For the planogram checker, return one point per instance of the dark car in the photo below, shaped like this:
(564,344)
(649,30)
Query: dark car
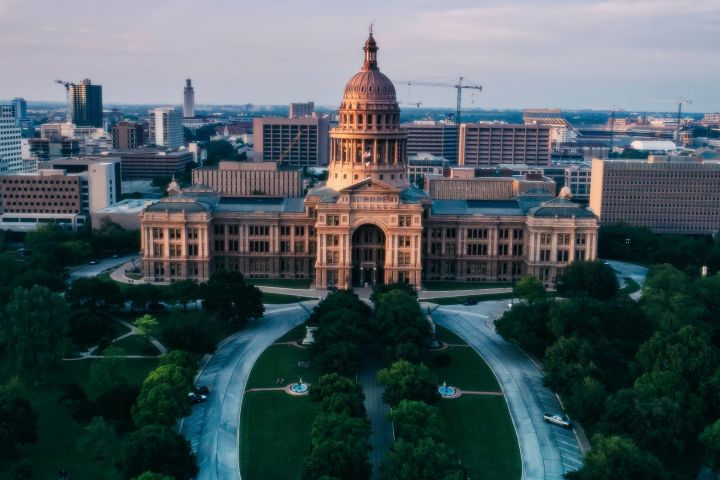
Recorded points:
(203,390)
(196,398)
(471,301)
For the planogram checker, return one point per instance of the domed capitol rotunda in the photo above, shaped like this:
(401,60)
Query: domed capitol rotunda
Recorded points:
(367,223)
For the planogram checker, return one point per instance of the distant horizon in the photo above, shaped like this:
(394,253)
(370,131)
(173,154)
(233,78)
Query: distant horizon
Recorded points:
(597,54)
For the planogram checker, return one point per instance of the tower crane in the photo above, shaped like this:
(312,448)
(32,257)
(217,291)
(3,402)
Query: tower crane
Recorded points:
(286,152)
(613,110)
(459,86)
(680,102)
(67,94)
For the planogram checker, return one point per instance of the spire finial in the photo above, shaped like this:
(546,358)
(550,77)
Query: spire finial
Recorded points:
(370,51)
(371,27)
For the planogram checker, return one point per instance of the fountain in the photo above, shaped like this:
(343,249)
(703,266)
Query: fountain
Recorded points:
(447,391)
(299,388)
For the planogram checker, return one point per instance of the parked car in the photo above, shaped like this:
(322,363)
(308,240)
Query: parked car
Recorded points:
(471,301)
(557,419)
(196,398)
(203,390)
(93,262)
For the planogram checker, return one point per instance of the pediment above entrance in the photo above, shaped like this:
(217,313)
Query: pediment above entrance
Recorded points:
(370,185)
(370,194)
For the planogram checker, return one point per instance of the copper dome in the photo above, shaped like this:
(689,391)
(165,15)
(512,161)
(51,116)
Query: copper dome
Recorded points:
(369,83)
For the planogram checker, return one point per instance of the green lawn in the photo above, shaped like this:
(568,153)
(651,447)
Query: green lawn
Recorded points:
(280,361)
(478,428)
(480,431)
(297,333)
(452,285)
(168,318)
(274,426)
(275,435)
(136,345)
(631,286)
(281,282)
(462,299)
(279,298)
(58,434)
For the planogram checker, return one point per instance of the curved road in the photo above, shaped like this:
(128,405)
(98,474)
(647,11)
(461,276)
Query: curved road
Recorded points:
(547,451)
(213,427)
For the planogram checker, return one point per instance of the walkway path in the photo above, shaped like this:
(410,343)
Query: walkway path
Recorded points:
(381,437)
(213,427)
(547,451)
(133,331)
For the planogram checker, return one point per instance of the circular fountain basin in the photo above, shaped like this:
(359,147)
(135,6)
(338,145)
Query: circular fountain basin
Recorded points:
(447,391)
(299,387)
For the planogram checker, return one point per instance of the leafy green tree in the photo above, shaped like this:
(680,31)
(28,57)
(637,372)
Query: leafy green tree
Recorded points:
(339,448)
(567,362)
(665,298)
(98,440)
(425,459)
(163,396)
(228,297)
(184,292)
(147,324)
(105,373)
(89,328)
(594,279)
(219,150)
(154,476)
(414,420)
(181,359)
(530,289)
(382,288)
(586,401)
(408,381)
(30,278)
(339,300)
(18,422)
(401,326)
(337,347)
(338,394)
(157,449)
(618,458)
(22,470)
(33,331)
(94,293)
(527,326)
(577,316)
(143,294)
(710,440)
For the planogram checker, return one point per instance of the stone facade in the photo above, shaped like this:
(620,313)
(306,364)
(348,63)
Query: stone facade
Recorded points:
(367,223)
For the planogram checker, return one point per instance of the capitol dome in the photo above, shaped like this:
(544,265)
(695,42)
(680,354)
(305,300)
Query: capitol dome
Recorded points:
(369,84)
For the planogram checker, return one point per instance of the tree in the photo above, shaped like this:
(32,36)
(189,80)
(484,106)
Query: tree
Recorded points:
(382,288)
(586,401)
(568,361)
(163,396)
(189,337)
(526,325)
(414,420)
(98,440)
(425,459)
(105,373)
(338,394)
(530,289)
(408,381)
(218,150)
(33,331)
(339,448)
(153,476)
(88,328)
(617,458)
(147,324)
(228,297)
(710,440)
(184,292)
(18,422)
(94,293)
(157,449)
(594,279)
(143,294)
(181,359)
(401,326)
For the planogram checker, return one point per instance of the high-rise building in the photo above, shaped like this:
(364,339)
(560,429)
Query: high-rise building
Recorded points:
(666,194)
(292,141)
(493,144)
(20,108)
(10,140)
(188,99)
(128,135)
(166,128)
(85,105)
(298,110)
(436,138)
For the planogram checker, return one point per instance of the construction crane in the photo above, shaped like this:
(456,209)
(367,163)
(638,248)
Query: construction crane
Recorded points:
(286,152)
(67,93)
(680,102)
(66,84)
(460,86)
(613,110)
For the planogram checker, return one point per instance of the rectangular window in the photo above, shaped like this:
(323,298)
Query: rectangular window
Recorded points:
(233,229)
(403,241)
(544,255)
(503,234)
(502,249)
(158,249)
(333,220)
(157,233)
(258,230)
(580,239)
(233,245)
(259,246)
(518,234)
(299,231)
(284,230)
(219,229)
(299,246)
(192,233)
(563,239)
(563,255)
(405,220)
(517,250)
(219,245)
(192,250)
(545,238)
(285,246)
(174,233)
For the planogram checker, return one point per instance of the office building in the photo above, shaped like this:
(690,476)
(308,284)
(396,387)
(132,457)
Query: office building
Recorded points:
(166,127)
(20,108)
(470,187)
(83,164)
(435,138)
(245,179)
(188,99)
(298,110)
(578,179)
(149,163)
(367,224)
(10,140)
(491,144)
(46,148)
(85,104)
(128,135)
(103,184)
(666,194)
(421,165)
(301,142)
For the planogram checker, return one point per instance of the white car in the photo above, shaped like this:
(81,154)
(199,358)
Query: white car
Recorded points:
(559,420)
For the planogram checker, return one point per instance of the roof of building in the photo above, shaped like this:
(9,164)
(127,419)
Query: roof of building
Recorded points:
(644,145)
(369,83)
(261,204)
(532,205)
(134,206)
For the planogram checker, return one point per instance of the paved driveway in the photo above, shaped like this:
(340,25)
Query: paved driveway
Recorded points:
(547,451)
(88,270)
(213,426)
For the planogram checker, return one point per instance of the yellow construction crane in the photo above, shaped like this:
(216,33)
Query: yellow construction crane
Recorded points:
(459,86)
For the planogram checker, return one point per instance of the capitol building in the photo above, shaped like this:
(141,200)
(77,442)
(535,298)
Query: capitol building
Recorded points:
(367,223)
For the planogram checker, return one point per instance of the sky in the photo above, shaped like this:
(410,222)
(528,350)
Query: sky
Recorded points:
(638,55)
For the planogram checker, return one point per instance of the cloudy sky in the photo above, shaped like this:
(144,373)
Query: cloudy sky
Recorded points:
(633,54)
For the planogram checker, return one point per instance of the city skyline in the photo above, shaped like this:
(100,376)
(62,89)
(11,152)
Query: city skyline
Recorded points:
(639,55)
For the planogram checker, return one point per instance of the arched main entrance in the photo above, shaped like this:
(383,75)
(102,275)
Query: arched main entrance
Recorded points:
(368,255)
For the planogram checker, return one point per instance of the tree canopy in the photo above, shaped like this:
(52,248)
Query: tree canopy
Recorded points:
(228,297)
(157,449)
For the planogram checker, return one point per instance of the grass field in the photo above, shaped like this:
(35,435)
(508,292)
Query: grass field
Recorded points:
(451,285)
(58,433)
(467,370)
(136,345)
(281,282)
(279,298)
(274,426)
(460,300)
(631,286)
